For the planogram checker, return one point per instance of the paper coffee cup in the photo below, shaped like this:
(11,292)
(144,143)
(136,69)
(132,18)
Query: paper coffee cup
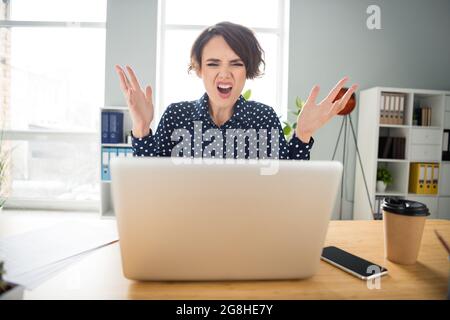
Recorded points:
(403,222)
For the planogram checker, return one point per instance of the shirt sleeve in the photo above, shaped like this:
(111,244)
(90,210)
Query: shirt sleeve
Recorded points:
(298,150)
(145,146)
(157,145)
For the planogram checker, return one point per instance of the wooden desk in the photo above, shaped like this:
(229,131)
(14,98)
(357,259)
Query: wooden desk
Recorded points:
(99,275)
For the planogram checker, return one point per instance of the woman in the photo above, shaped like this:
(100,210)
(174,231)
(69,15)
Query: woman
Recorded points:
(222,123)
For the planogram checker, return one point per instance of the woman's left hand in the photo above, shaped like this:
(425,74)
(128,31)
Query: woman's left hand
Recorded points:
(313,116)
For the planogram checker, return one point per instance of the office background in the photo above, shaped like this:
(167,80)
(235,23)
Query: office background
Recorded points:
(59,79)
(327,38)
(56,123)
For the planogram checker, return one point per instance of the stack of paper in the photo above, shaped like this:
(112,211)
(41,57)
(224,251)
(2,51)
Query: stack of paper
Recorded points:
(33,257)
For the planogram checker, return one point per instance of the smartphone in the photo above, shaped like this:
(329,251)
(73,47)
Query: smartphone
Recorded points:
(352,264)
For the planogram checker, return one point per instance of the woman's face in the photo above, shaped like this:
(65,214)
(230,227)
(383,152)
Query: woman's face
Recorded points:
(223,73)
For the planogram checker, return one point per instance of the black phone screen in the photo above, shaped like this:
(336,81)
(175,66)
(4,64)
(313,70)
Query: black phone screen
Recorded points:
(349,261)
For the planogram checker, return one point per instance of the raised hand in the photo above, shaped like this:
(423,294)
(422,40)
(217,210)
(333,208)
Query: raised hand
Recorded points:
(313,116)
(138,101)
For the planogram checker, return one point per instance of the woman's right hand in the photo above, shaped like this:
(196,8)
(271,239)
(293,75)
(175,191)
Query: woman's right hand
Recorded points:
(138,101)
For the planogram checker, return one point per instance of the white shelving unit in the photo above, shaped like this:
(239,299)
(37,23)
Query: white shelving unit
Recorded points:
(106,203)
(423,144)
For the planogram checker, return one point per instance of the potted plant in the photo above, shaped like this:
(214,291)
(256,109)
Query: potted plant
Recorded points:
(8,290)
(384,178)
(288,129)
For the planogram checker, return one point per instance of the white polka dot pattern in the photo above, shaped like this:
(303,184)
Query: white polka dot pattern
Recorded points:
(254,131)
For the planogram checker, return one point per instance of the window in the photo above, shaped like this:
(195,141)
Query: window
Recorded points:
(52,55)
(182,21)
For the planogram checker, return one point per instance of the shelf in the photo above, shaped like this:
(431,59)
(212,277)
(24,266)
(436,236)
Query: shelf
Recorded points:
(426,127)
(116,145)
(395,126)
(422,144)
(435,102)
(393,160)
(390,194)
(106,201)
(123,148)
(114,108)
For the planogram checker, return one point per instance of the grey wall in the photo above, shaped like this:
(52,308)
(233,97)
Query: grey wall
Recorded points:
(329,39)
(131,33)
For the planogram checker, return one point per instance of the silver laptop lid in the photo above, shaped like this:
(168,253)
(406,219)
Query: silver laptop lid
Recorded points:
(234,220)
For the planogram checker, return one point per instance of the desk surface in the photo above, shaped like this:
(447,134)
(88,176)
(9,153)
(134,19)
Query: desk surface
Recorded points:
(99,274)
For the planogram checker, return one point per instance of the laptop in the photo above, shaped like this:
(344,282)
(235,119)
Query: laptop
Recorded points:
(222,220)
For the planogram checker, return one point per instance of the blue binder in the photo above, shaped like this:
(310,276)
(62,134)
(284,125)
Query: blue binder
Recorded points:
(105,126)
(115,127)
(108,153)
(105,164)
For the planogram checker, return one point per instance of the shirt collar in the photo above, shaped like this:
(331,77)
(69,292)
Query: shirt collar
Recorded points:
(240,114)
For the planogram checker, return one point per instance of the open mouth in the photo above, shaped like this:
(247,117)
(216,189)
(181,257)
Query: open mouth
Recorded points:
(224,89)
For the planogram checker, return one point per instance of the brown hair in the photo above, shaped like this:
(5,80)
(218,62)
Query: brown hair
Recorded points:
(241,40)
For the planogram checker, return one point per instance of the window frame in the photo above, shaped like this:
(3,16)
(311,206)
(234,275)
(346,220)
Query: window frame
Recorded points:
(281,31)
(50,135)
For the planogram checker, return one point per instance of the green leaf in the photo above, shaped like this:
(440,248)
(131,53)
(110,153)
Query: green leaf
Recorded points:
(384,175)
(247,94)
(287,130)
(299,103)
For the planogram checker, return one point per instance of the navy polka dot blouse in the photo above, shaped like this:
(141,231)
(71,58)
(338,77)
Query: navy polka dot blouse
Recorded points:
(253,132)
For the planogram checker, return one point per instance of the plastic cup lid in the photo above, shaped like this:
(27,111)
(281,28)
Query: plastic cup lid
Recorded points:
(405,207)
